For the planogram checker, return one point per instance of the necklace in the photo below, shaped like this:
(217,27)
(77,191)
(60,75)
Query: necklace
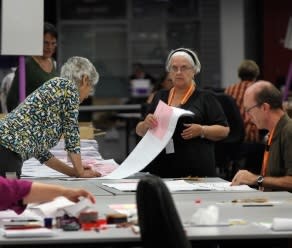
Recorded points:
(184,98)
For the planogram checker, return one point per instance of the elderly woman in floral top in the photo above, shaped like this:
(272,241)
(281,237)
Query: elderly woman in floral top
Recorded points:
(38,123)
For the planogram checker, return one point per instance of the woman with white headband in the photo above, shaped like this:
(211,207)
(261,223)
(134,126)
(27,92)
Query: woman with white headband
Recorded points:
(190,152)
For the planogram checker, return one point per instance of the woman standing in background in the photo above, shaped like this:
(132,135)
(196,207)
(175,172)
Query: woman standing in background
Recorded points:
(190,152)
(38,69)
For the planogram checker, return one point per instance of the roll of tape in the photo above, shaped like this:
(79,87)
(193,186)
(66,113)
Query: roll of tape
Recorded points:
(116,218)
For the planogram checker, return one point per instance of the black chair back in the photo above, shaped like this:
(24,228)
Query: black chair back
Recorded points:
(234,118)
(229,152)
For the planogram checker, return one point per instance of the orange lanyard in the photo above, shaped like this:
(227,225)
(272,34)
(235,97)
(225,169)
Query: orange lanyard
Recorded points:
(186,96)
(266,154)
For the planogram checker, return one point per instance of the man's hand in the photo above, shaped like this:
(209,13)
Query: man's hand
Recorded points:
(244,177)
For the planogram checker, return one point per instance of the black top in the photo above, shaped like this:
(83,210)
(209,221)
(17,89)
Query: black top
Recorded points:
(194,157)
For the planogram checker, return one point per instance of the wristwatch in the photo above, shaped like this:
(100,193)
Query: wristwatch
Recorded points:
(260,180)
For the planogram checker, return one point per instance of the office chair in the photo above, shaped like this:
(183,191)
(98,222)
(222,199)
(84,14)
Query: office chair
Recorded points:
(159,222)
(228,152)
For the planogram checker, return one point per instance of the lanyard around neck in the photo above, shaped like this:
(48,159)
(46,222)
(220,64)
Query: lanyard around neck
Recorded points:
(266,154)
(185,97)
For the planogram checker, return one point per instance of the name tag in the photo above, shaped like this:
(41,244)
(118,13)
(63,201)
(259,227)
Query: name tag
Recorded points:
(169,147)
(10,175)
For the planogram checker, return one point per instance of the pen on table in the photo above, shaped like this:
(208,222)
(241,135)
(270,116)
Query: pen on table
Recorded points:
(23,220)
(258,205)
(22,227)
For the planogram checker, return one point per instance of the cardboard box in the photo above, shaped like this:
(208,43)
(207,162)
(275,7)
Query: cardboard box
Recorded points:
(86,130)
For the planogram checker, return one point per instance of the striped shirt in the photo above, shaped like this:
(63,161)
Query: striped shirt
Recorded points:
(237,92)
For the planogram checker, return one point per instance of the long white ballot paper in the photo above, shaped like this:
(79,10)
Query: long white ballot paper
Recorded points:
(153,142)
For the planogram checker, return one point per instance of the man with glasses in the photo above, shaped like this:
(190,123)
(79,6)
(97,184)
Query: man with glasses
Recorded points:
(263,106)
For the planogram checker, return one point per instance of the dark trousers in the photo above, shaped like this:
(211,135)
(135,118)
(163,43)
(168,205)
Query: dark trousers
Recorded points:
(9,162)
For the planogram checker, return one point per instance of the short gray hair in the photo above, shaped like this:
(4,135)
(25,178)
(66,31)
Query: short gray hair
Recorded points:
(77,67)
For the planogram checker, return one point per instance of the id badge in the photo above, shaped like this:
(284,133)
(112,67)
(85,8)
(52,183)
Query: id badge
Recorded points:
(169,147)
(11,175)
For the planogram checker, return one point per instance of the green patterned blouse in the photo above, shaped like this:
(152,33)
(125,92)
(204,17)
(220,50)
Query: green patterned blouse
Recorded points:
(38,123)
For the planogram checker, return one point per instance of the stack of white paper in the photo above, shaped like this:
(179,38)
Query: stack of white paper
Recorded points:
(59,206)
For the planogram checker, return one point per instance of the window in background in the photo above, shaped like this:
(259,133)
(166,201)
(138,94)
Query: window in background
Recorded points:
(117,34)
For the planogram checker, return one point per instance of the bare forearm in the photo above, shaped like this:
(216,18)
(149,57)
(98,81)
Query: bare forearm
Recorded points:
(215,132)
(77,163)
(278,182)
(43,192)
(58,165)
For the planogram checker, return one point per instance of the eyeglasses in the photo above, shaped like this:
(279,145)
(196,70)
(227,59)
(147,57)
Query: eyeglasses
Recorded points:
(181,69)
(252,107)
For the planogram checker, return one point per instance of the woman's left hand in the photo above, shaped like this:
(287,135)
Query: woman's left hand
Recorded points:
(89,172)
(191,131)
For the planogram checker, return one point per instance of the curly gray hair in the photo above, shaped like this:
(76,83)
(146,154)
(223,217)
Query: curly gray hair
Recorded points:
(77,67)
